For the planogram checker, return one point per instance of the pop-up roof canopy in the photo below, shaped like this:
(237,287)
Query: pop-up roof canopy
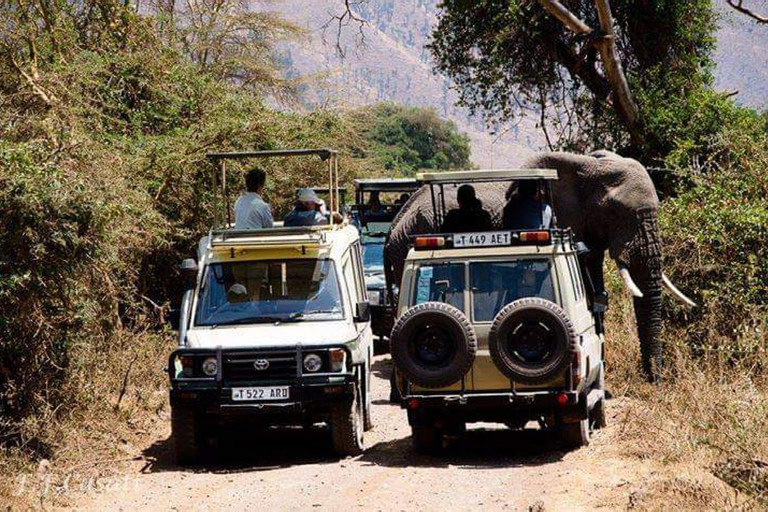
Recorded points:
(486,175)
(387,184)
(220,158)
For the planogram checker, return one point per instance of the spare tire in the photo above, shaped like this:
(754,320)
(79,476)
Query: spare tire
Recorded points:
(433,344)
(531,339)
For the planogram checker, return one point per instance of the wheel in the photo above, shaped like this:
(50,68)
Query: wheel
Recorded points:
(597,414)
(575,435)
(368,420)
(394,393)
(530,340)
(189,435)
(347,426)
(433,345)
(427,439)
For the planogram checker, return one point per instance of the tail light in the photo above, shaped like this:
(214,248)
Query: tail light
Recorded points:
(429,242)
(534,236)
(576,367)
(187,366)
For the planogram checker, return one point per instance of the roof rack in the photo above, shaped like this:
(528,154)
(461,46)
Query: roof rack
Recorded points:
(387,184)
(325,154)
(479,176)
(270,237)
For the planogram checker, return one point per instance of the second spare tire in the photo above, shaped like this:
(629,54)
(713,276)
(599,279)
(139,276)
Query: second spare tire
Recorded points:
(433,345)
(531,340)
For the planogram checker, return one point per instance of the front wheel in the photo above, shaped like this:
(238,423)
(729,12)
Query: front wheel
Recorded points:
(347,424)
(189,434)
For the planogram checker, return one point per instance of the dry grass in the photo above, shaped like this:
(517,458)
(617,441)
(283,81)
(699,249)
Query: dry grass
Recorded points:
(710,412)
(119,394)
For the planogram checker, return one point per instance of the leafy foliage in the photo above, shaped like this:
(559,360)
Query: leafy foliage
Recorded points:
(406,139)
(509,57)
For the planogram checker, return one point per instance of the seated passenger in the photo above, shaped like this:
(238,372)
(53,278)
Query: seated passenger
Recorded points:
(526,209)
(251,212)
(309,210)
(404,197)
(469,216)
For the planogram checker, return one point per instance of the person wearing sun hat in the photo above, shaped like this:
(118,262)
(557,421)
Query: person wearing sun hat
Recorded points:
(309,210)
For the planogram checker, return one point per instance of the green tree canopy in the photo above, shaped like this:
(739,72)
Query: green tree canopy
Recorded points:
(510,56)
(406,139)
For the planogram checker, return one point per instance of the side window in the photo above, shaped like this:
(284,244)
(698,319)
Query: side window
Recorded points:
(573,270)
(440,283)
(357,254)
(348,270)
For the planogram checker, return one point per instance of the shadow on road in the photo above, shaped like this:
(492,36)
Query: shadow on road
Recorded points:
(477,448)
(241,451)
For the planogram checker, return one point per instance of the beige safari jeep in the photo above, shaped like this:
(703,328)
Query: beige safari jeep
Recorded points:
(498,327)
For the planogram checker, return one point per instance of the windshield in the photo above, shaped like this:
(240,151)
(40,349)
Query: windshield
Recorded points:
(247,292)
(373,256)
(441,283)
(496,284)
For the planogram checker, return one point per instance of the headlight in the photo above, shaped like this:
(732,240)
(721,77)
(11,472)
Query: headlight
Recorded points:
(338,359)
(373,297)
(312,363)
(210,367)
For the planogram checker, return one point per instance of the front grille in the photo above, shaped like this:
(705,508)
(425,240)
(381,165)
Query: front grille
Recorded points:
(239,366)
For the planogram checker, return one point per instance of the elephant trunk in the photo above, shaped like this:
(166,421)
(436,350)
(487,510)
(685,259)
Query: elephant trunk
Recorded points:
(648,317)
(642,257)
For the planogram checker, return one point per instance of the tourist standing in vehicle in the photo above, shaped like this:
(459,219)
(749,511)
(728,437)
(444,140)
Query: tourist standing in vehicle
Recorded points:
(309,210)
(527,210)
(251,211)
(469,216)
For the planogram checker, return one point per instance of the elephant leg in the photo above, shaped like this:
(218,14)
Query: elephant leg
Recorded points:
(594,265)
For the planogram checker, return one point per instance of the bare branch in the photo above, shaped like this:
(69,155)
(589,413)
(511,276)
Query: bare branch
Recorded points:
(738,5)
(621,96)
(565,16)
(344,19)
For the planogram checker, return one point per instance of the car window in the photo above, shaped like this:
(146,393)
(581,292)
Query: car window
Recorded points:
(496,284)
(246,292)
(441,283)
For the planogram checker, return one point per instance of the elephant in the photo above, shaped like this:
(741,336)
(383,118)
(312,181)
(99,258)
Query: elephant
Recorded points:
(611,205)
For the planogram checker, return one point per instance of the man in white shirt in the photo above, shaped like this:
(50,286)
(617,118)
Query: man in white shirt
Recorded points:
(251,212)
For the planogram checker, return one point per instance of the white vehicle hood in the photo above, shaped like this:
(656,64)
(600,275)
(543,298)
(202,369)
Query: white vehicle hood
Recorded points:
(273,335)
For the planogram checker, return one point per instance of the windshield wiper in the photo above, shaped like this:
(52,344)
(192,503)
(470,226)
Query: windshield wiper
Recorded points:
(261,319)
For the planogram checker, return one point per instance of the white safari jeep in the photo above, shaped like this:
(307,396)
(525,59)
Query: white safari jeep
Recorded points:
(274,328)
(497,327)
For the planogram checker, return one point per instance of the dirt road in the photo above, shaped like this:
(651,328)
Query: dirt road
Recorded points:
(490,468)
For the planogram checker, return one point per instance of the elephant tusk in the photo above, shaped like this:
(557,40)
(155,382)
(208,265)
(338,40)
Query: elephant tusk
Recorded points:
(631,286)
(675,292)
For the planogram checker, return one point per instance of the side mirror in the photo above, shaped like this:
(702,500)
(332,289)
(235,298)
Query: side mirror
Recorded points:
(188,269)
(188,266)
(581,248)
(173,317)
(600,304)
(363,312)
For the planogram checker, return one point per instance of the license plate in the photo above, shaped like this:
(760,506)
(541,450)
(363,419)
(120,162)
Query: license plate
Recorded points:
(487,239)
(261,393)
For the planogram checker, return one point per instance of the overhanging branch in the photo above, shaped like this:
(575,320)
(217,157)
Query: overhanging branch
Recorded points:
(739,6)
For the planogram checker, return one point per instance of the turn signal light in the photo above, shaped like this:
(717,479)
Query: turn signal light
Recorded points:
(429,242)
(534,236)
(562,399)
(338,359)
(413,403)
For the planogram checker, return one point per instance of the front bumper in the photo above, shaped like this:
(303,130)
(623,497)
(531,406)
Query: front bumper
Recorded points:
(310,395)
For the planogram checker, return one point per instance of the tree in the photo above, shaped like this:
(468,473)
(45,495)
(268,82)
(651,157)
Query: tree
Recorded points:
(510,57)
(406,139)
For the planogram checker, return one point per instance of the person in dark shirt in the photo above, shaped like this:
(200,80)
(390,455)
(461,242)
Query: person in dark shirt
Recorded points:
(469,216)
(526,210)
